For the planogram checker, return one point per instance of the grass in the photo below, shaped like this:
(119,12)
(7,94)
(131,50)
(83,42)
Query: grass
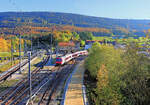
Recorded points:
(102,38)
(5,54)
(8,54)
(8,66)
(7,84)
(35,63)
(141,40)
(3,61)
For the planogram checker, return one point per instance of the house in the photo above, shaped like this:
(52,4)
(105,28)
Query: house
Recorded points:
(65,47)
(88,43)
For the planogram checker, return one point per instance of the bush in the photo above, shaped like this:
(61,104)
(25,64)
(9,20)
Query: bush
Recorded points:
(92,62)
(122,77)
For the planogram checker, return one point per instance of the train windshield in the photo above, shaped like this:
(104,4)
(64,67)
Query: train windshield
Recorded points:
(58,60)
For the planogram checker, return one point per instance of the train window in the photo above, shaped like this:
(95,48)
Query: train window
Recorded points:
(75,55)
(58,59)
(66,58)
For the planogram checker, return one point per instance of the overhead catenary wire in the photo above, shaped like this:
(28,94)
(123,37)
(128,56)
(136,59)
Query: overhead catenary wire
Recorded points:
(29,54)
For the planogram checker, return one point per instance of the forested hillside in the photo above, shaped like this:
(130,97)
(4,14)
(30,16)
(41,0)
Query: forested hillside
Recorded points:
(37,22)
(8,19)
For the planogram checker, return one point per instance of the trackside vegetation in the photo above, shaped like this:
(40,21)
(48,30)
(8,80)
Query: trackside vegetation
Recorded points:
(117,77)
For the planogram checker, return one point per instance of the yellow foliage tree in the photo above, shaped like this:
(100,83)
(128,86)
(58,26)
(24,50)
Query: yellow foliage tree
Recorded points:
(102,77)
(3,45)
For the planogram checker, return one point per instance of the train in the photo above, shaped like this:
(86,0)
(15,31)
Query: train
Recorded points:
(64,59)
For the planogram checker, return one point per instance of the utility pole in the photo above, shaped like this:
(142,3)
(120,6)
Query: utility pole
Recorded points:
(29,76)
(51,49)
(11,51)
(51,46)
(38,44)
(31,43)
(24,48)
(20,52)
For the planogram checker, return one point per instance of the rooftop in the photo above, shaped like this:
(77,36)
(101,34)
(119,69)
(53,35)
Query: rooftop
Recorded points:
(66,44)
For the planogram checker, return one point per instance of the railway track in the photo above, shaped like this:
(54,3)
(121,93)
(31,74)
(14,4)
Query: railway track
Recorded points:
(48,94)
(21,89)
(53,93)
(45,84)
(7,74)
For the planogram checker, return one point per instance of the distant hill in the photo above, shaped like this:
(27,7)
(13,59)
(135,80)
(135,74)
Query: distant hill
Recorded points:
(74,19)
(9,19)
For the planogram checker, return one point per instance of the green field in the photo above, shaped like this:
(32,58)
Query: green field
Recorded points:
(8,65)
(8,54)
(7,84)
(102,38)
(141,40)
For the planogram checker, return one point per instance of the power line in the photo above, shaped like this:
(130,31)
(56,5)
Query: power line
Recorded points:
(15,6)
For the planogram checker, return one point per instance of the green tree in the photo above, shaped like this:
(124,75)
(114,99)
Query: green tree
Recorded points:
(92,62)
(108,76)
(136,76)
(122,76)
(86,36)
(82,43)
(62,36)
(76,36)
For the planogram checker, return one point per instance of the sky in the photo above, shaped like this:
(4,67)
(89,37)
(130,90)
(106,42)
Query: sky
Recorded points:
(123,9)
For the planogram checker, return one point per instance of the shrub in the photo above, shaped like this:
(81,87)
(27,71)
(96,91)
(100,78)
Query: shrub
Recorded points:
(122,77)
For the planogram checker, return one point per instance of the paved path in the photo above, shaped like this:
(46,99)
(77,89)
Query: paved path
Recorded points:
(74,93)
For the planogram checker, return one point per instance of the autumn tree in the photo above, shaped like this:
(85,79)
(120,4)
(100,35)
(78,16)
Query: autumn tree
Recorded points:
(102,63)
(122,76)
(147,32)
(3,45)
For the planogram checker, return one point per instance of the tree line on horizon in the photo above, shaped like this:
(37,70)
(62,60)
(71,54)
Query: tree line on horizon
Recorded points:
(100,32)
